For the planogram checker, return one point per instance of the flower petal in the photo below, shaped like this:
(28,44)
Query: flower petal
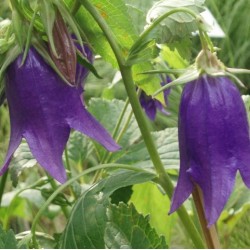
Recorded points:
(48,147)
(44,108)
(84,122)
(213,131)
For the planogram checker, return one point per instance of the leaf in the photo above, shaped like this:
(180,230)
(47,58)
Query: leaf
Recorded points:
(116,15)
(8,240)
(79,147)
(148,199)
(174,98)
(178,25)
(144,52)
(246,99)
(112,110)
(126,228)
(172,56)
(22,159)
(167,145)
(137,10)
(88,219)
(240,236)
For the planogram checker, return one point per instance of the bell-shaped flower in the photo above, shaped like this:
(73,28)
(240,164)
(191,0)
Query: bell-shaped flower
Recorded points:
(43,109)
(213,143)
(151,105)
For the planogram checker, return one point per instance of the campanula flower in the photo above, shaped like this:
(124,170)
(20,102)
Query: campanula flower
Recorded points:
(213,143)
(43,109)
(151,105)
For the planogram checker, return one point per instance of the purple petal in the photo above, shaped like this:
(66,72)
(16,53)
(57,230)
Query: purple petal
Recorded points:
(84,122)
(148,104)
(214,142)
(43,109)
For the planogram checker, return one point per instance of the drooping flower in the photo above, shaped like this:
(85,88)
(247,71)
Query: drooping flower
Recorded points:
(213,142)
(43,109)
(151,105)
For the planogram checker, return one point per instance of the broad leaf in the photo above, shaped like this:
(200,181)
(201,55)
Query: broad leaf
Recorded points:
(8,240)
(167,145)
(138,10)
(246,99)
(178,25)
(126,228)
(109,119)
(148,199)
(88,219)
(79,147)
(22,159)
(116,15)
(240,236)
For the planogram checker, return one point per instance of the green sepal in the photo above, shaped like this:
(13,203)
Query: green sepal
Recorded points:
(2,92)
(191,74)
(18,26)
(7,37)
(42,50)
(69,19)
(29,37)
(47,14)
(28,12)
(142,53)
(84,61)
(9,57)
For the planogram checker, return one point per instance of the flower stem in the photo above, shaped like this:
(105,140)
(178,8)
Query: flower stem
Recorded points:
(54,186)
(210,233)
(126,73)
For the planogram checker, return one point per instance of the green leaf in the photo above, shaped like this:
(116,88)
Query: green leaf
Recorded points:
(22,159)
(79,147)
(8,240)
(126,228)
(178,25)
(174,98)
(240,236)
(137,10)
(246,99)
(148,199)
(176,55)
(167,145)
(144,52)
(88,219)
(112,112)
(48,16)
(116,15)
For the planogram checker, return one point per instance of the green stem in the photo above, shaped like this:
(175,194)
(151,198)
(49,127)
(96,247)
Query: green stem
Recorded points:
(54,187)
(126,73)
(121,134)
(117,127)
(69,182)
(2,185)
(107,154)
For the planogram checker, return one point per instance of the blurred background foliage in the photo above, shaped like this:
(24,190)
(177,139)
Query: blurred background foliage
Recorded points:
(233,16)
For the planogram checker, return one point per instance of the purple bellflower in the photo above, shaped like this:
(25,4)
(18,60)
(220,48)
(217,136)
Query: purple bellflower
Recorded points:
(213,142)
(151,105)
(43,109)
